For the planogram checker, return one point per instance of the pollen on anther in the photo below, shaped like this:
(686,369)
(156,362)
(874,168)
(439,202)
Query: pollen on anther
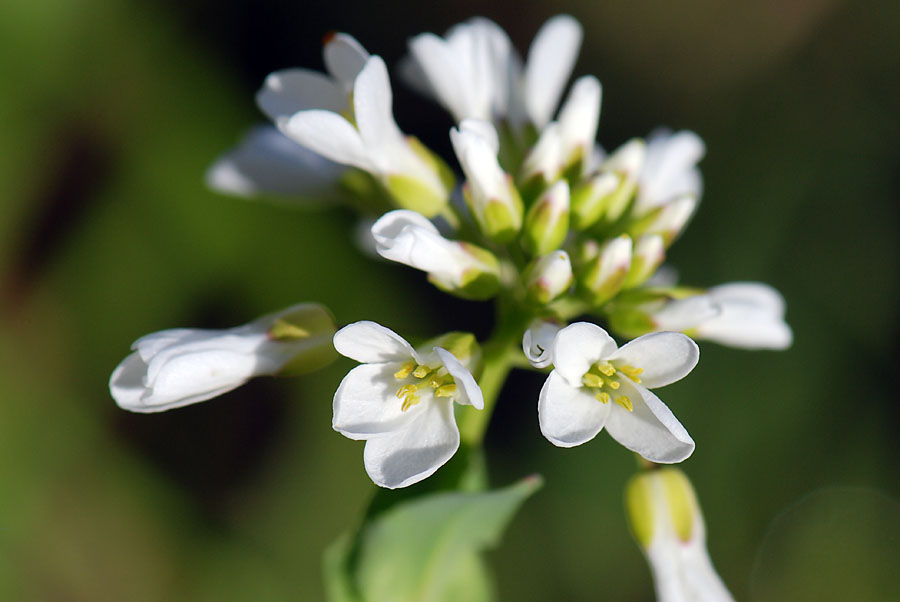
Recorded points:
(404,370)
(421,371)
(602,396)
(623,401)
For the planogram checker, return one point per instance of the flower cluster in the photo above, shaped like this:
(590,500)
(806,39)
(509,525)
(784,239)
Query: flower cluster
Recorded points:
(558,231)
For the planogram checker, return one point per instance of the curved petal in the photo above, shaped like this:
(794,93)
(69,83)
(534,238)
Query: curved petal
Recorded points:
(366,403)
(550,60)
(344,58)
(291,90)
(666,357)
(753,294)
(580,114)
(746,330)
(569,416)
(408,455)
(683,314)
(371,343)
(484,129)
(442,71)
(577,347)
(537,342)
(127,382)
(391,224)
(194,375)
(650,429)
(331,136)
(268,162)
(469,391)
(409,238)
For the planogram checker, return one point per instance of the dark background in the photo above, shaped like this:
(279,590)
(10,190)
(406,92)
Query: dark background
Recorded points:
(110,113)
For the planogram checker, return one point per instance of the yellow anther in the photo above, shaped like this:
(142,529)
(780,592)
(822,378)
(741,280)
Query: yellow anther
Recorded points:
(404,370)
(592,380)
(421,371)
(624,402)
(411,400)
(602,396)
(446,390)
(606,368)
(406,391)
(632,372)
(613,384)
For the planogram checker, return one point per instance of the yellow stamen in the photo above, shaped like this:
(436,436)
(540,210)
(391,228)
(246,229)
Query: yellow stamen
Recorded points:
(421,371)
(446,390)
(624,402)
(406,391)
(613,384)
(411,400)
(606,368)
(632,372)
(602,396)
(404,370)
(592,380)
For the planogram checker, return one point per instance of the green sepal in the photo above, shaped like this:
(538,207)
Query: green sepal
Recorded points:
(545,227)
(411,193)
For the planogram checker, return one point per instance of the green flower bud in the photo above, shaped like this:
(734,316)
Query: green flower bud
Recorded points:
(649,253)
(547,221)
(602,276)
(591,198)
(548,277)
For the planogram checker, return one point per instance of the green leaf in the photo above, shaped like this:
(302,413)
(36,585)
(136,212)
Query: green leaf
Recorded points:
(426,549)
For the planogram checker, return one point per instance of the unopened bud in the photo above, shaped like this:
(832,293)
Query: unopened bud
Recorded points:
(547,222)
(649,253)
(602,276)
(548,277)
(590,199)
(626,161)
(667,220)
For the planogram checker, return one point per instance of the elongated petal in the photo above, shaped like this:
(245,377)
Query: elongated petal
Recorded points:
(577,347)
(746,330)
(371,343)
(537,343)
(469,391)
(366,402)
(410,454)
(683,314)
(372,99)
(344,58)
(268,162)
(569,416)
(755,294)
(650,429)
(442,70)
(331,136)
(580,115)
(409,238)
(484,129)
(550,60)
(291,90)
(666,357)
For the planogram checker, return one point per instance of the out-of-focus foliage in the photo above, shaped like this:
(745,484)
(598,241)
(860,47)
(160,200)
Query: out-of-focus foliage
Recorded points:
(110,113)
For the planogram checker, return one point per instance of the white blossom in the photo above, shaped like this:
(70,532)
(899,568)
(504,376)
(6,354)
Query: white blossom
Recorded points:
(595,384)
(669,169)
(400,401)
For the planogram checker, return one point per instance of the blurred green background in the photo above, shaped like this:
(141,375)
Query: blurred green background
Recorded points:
(111,110)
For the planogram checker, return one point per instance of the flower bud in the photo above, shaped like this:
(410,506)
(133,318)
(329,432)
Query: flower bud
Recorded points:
(548,277)
(626,161)
(547,221)
(177,367)
(666,522)
(428,197)
(649,253)
(603,275)
(543,164)
(578,119)
(537,343)
(489,191)
(591,198)
(667,220)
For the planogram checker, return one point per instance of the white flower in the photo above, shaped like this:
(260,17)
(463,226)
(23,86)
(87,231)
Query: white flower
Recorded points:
(595,384)
(400,400)
(537,343)
(475,73)
(467,71)
(409,238)
(669,169)
(268,162)
(666,520)
(177,367)
(310,109)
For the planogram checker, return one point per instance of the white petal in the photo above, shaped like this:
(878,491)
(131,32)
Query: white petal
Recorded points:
(666,357)
(650,429)
(344,59)
(127,382)
(577,347)
(366,402)
(151,344)
(537,343)
(331,136)
(268,162)
(372,100)
(444,74)
(409,238)
(684,314)
(287,92)
(189,377)
(484,129)
(408,455)
(580,115)
(370,343)
(479,163)
(669,169)
(550,60)
(469,391)
(756,294)
(746,330)
(393,223)
(569,416)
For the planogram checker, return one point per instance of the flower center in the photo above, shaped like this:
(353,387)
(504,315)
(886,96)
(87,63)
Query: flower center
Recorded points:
(604,376)
(428,380)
